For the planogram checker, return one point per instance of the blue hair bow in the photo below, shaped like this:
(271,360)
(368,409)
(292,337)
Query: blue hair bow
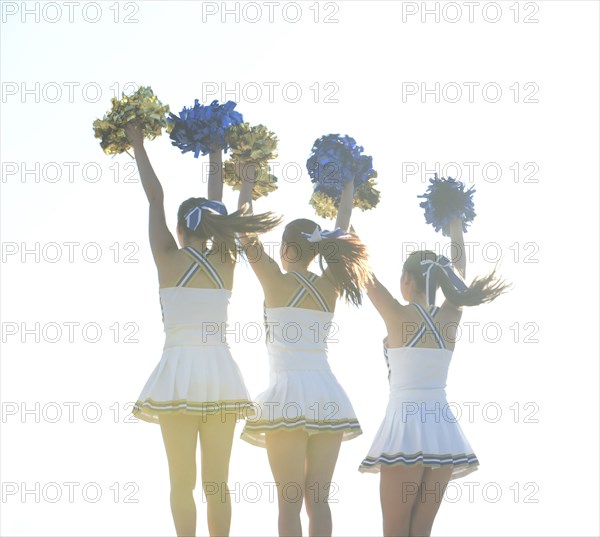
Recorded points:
(430,270)
(194,215)
(318,235)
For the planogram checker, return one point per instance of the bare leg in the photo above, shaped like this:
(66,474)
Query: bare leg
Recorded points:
(323,450)
(431,493)
(399,490)
(287,456)
(216,438)
(180,435)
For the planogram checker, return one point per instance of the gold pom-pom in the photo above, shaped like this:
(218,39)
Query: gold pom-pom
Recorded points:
(143,108)
(366,197)
(251,146)
(264,183)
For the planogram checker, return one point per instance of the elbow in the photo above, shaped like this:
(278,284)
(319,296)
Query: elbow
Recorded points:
(157,197)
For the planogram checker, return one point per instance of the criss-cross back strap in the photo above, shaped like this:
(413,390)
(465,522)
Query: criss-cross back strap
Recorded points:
(428,324)
(201,262)
(300,293)
(306,286)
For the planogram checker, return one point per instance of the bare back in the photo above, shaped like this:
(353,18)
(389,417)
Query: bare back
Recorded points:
(281,290)
(173,266)
(404,322)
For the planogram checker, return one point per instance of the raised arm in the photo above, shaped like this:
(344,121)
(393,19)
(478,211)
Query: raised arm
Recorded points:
(263,265)
(215,175)
(382,299)
(343,216)
(248,175)
(161,240)
(345,210)
(457,247)
(379,296)
(459,256)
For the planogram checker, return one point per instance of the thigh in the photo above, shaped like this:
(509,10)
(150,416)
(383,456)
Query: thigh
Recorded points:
(399,488)
(431,493)
(322,454)
(180,436)
(216,440)
(287,457)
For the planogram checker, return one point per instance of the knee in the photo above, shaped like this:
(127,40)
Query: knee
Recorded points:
(397,523)
(289,509)
(396,519)
(217,492)
(291,497)
(183,482)
(214,469)
(213,476)
(420,528)
(317,507)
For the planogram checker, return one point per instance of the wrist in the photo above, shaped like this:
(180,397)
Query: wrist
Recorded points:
(456,226)
(216,155)
(249,173)
(138,146)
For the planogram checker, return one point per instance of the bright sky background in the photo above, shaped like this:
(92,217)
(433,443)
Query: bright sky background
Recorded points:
(533,355)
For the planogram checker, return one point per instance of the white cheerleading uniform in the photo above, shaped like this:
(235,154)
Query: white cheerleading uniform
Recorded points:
(303,393)
(196,373)
(419,426)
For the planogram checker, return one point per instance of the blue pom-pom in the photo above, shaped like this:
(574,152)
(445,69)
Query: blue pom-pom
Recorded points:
(445,200)
(336,160)
(202,128)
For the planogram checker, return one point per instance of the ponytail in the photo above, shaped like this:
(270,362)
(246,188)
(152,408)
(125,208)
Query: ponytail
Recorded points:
(482,289)
(220,228)
(345,255)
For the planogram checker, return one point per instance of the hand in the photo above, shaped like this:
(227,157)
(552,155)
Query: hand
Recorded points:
(134,135)
(244,208)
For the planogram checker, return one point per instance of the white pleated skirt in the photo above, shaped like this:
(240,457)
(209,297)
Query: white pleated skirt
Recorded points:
(194,380)
(303,395)
(419,427)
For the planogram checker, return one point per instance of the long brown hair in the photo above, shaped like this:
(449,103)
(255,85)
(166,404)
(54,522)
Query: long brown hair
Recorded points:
(482,289)
(345,257)
(221,230)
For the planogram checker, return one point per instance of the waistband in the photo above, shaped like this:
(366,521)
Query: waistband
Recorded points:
(398,393)
(205,335)
(290,360)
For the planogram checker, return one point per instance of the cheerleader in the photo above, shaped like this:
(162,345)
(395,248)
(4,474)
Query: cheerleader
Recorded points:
(420,447)
(196,390)
(305,414)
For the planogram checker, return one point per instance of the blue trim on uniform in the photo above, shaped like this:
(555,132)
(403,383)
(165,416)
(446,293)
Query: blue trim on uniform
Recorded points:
(200,262)
(312,289)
